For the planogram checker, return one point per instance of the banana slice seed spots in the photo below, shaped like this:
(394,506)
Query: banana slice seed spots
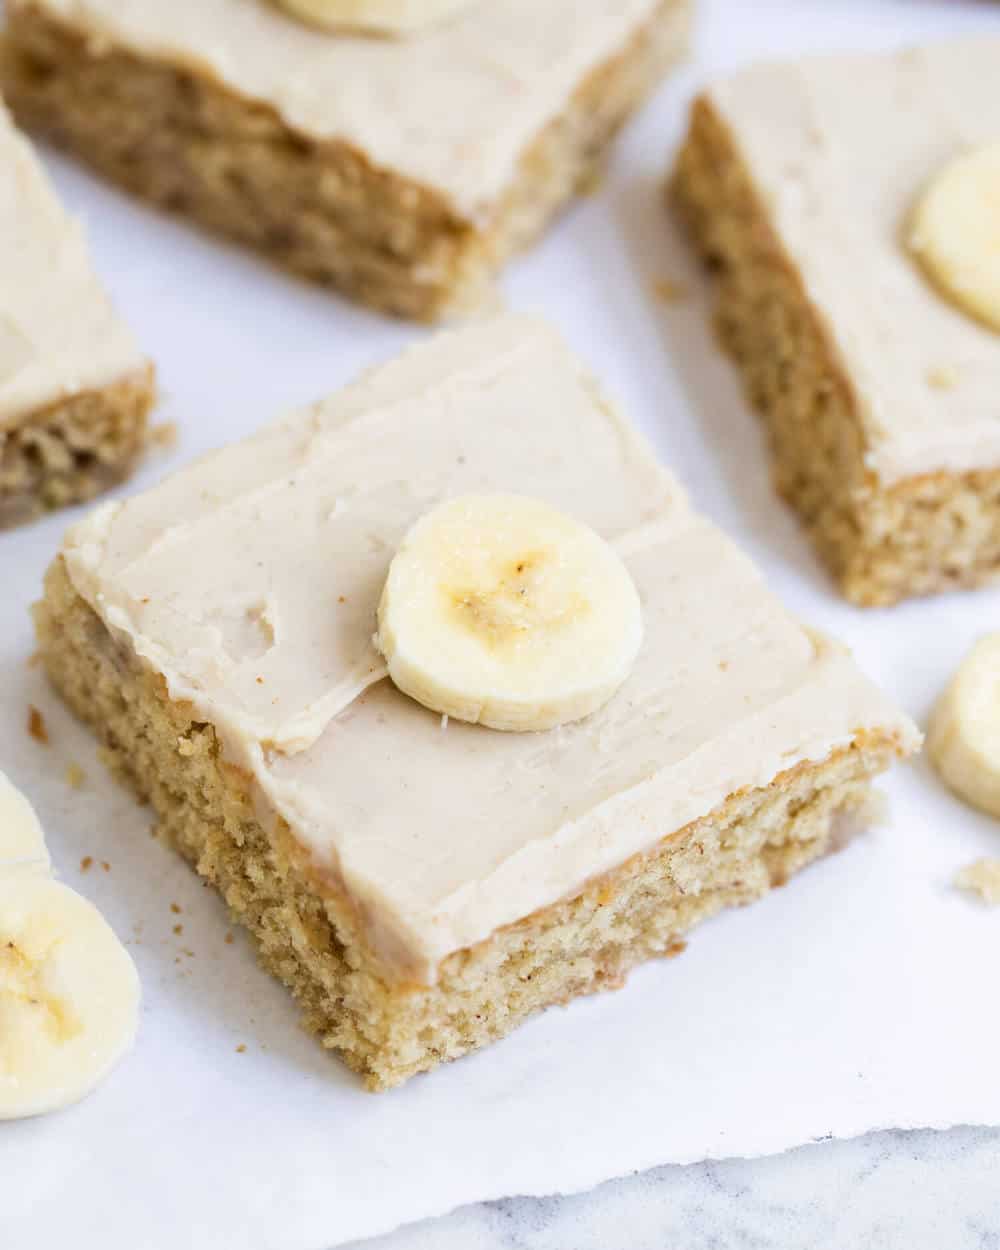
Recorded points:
(520,602)
(23,980)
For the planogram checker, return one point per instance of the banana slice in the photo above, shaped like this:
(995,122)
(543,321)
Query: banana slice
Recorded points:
(955,233)
(378,17)
(69,997)
(963,740)
(22,843)
(501,611)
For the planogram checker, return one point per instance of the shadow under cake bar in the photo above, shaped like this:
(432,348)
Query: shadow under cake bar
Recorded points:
(402,172)
(422,885)
(75,391)
(798,181)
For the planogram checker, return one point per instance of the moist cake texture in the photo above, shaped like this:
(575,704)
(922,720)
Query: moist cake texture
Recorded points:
(424,884)
(797,181)
(74,388)
(402,172)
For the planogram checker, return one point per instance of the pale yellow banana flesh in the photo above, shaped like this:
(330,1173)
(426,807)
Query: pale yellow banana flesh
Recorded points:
(501,611)
(69,992)
(22,842)
(954,233)
(381,17)
(69,997)
(963,740)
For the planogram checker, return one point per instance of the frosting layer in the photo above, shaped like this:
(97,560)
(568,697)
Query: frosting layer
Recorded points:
(251,580)
(452,108)
(840,148)
(59,335)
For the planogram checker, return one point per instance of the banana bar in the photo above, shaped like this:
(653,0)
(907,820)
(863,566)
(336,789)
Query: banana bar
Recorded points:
(421,883)
(402,172)
(846,206)
(74,389)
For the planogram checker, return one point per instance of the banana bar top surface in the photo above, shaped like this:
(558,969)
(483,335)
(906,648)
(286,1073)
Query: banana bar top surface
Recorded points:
(452,108)
(250,582)
(59,335)
(840,148)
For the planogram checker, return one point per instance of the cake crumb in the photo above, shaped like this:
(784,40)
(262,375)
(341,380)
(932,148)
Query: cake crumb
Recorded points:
(591,183)
(176,908)
(982,878)
(165,435)
(942,377)
(241,1049)
(178,929)
(189,954)
(36,725)
(75,776)
(669,291)
(229,939)
(105,865)
(86,863)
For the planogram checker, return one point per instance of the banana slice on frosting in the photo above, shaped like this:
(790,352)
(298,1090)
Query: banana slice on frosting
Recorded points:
(955,233)
(963,740)
(379,17)
(69,991)
(502,611)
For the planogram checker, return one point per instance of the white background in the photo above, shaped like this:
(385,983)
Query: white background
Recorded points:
(862,996)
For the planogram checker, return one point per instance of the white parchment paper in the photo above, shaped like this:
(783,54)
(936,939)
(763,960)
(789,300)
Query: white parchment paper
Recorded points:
(860,997)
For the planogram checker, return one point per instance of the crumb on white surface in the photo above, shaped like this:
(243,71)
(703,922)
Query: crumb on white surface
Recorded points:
(37,728)
(982,878)
(75,776)
(165,435)
(669,291)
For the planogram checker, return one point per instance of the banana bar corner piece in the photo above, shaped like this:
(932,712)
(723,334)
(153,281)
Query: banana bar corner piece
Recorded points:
(799,182)
(401,172)
(423,885)
(75,391)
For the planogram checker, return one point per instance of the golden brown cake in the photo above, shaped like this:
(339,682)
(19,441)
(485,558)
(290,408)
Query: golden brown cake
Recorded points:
(402,172)
(798,183)
(423,884)
(74,389)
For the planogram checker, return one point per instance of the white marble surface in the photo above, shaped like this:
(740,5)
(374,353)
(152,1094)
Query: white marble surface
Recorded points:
(886,1191)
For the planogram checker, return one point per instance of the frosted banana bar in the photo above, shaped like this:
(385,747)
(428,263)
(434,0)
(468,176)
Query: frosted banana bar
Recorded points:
(846,203)
(402,172)
(423,884)
(74,388)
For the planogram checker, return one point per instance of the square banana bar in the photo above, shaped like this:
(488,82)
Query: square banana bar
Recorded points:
(423,885)
(75,391)
(799,183)
(403,172)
